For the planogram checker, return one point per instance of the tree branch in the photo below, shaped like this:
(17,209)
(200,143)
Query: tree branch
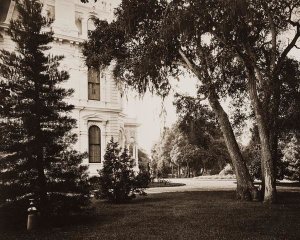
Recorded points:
(287,50)
(195,70)
(189,63)
(178,63)
(274,41)
(202,98)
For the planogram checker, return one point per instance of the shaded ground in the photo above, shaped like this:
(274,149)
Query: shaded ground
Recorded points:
(185,215)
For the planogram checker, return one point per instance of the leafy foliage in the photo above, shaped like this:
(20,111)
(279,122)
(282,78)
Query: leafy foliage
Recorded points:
(199,123)
(289,107)
(252,156)
(292,158)
(37,159)
(142,181)
(180,150)
(143,161)
(196,120)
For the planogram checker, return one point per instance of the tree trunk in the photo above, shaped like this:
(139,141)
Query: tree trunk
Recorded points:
(262,190)
(268,167)
(245,187)
(187,170)
(266,152)
(42,190)
(273,123)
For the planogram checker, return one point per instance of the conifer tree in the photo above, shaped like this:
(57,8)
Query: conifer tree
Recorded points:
(36,155)
(118,182)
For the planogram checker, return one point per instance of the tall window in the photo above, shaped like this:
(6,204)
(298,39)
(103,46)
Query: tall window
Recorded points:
(94,84)
(94,144)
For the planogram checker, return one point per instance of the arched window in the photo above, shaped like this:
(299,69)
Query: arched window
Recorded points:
(94,84)
(94,144)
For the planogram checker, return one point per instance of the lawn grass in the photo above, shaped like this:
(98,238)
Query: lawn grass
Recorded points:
(188,215)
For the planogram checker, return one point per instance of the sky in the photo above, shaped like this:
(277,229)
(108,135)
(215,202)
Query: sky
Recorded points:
(153,113)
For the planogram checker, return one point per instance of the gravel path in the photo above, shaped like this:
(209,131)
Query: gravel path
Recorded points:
(196,184)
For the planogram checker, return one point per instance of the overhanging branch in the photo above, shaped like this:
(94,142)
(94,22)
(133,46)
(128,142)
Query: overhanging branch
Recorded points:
(287,50)
(189,63)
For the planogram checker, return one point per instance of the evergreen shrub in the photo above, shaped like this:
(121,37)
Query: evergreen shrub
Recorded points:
(118,182)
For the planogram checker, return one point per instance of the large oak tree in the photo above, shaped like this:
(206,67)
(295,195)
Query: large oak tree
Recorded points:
(260,34)
(149,42)
(229,46)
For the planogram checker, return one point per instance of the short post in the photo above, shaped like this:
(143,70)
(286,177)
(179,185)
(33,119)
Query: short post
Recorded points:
(32,216)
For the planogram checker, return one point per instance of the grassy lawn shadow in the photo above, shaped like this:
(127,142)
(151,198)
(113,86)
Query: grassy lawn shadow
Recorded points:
(180,215)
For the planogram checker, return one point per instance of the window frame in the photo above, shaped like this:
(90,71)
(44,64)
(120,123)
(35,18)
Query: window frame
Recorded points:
(94,84)
(92,158)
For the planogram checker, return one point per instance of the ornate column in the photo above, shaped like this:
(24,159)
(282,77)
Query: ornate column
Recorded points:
(83,137)
(134,154)
(137,155)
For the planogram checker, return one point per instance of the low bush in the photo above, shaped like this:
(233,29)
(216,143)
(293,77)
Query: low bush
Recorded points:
(142,180)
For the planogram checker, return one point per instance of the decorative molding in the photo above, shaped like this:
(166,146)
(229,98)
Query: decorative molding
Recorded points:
(94,117)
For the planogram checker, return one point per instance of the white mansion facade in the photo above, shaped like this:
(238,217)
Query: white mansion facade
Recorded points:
(97,99)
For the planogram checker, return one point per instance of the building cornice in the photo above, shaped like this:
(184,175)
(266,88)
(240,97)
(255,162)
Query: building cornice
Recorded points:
(102,109)
(72,40)
(57,37)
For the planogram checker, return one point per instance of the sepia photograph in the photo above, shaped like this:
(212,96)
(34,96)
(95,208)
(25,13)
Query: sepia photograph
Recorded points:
(149,119)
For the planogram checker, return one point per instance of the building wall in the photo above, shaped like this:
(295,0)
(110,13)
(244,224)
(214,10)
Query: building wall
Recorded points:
(71,23)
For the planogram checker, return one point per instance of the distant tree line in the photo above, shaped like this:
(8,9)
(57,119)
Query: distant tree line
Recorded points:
(194,146)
